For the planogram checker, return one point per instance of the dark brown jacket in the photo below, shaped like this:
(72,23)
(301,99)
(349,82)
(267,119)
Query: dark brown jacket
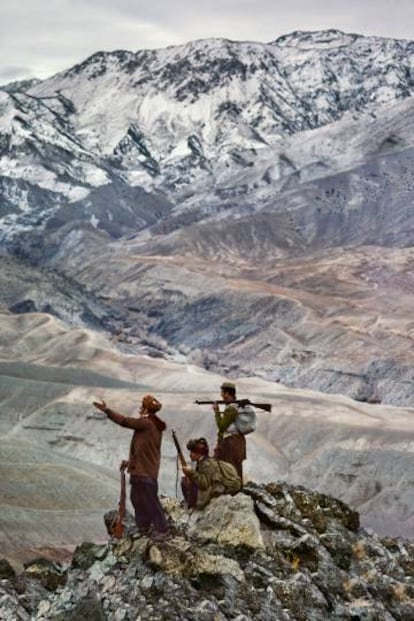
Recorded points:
(145,448)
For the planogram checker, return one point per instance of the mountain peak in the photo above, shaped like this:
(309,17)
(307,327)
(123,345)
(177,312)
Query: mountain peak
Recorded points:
(316,39)
(20,85)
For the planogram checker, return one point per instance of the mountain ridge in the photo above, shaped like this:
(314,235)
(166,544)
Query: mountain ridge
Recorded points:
(167,144)
(187,155)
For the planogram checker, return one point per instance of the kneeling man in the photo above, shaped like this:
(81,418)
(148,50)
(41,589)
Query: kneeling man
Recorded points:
(210,477)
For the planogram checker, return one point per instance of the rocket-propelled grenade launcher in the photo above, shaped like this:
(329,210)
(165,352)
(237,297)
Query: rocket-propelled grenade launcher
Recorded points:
(241,402)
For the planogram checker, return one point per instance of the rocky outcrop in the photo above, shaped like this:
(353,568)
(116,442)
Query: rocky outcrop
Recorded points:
(272,552)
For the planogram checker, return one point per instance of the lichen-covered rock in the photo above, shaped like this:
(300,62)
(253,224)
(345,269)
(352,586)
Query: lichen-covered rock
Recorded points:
(6,569)
(87,608)
(87,553)
(301,597)
(50,575)
(339,544)
(268,553)
(299,508)
(11,607)
(321,509)
(180,557)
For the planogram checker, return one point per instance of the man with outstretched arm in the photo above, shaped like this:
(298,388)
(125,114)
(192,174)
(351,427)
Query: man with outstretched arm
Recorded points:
(143,464)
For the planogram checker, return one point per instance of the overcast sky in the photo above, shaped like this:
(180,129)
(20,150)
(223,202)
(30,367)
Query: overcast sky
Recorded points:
(40,37)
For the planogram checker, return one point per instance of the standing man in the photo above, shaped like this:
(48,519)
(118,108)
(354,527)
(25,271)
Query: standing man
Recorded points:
(231,445)
(143,464)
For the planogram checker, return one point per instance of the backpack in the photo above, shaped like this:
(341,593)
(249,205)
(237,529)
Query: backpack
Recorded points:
(246,419)
(229,477)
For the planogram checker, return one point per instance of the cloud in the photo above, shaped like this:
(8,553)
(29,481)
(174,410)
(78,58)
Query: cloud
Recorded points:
(13,72)
(46,37)
(52,39)
(264,20)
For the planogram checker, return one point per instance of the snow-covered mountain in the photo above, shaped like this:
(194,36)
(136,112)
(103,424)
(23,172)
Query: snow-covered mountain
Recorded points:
(202,122)
(279,173)
(197,98)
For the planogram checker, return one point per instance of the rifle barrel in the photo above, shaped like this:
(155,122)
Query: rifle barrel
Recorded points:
(262,406)
(179,451)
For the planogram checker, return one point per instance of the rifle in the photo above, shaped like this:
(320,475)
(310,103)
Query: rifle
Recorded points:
(118,527)
(179,451)
(242,402)
(188,488)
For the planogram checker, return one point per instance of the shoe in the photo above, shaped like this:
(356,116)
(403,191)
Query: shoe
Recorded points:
(144,532)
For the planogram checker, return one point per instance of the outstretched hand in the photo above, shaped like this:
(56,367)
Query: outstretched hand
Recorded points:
(101,405)
(216,408)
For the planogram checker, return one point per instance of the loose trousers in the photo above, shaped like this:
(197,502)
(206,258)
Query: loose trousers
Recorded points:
(232,449)
(147,506)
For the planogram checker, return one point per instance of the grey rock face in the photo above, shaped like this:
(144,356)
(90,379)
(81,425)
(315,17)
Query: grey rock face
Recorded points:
(304,568)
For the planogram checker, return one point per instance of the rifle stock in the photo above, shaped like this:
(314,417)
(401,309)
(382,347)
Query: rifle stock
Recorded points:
(179,451)
(262,406)
(118,527)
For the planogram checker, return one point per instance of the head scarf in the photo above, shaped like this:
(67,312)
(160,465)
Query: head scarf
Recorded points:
(151,404)
(199,445)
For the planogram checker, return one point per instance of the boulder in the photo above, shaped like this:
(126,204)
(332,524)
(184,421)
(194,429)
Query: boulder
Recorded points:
(228,521)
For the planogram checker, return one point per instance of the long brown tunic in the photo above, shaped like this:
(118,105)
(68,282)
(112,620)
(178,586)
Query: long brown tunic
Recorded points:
(145,448)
